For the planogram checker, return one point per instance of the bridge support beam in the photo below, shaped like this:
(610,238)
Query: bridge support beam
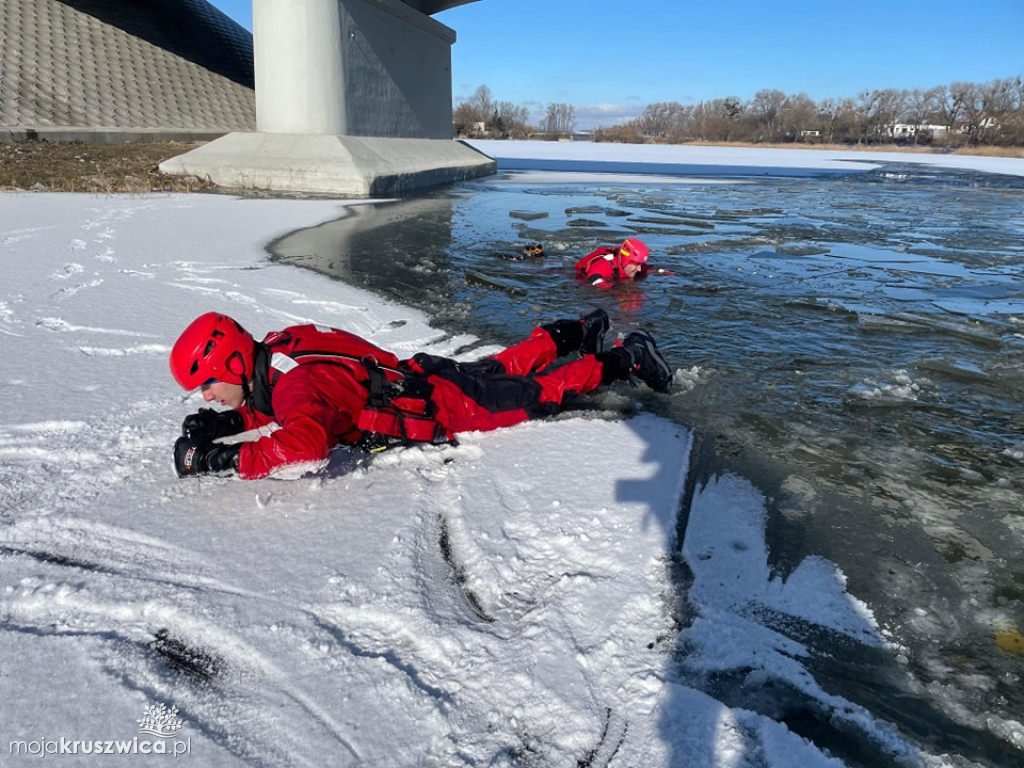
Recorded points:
(353,98)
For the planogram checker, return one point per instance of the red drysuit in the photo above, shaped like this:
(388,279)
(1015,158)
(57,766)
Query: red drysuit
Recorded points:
(315,383)
(602,268)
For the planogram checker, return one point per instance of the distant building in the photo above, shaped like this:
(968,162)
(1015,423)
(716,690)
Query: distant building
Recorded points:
(925,131)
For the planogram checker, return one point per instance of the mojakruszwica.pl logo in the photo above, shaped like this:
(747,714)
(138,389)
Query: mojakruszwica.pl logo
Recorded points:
(157,721)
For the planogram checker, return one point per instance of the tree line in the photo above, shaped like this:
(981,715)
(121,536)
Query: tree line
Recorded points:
(480,116)
(961,113)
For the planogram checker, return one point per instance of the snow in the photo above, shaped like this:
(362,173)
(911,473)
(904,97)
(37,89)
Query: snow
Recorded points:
(508,601)
(720,160)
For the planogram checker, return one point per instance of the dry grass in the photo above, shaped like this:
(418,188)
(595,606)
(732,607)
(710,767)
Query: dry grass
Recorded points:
(99,168)
(991,151)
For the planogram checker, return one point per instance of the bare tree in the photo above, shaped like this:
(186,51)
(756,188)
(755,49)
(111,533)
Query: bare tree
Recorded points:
(463,120)
(798,114)
(970,96)
(482,103)
(681,128)
(951,106)
(511,120)
(766,105)
(870,116)
(658,121)
(878,113)
(998,100)
(892,108)
(921,105)
(629,133)
(560,119)
(474,113)
(829,112)
(718,119)
(1013,124)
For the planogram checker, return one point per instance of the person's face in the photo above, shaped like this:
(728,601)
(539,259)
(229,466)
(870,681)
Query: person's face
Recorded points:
(631,269)
(221,392)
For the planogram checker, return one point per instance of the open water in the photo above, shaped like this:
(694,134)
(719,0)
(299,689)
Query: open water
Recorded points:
(851,343)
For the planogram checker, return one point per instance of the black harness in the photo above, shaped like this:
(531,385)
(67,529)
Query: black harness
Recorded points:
(398,408)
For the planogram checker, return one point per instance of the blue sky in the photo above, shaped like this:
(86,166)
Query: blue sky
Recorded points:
(610,59)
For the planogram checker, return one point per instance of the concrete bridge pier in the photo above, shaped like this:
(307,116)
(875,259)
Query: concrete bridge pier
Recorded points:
(353,98)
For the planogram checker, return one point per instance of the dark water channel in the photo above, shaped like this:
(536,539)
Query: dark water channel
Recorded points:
(852,344)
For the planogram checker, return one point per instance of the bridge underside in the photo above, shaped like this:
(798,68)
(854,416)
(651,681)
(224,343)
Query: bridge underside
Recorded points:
(371,115)
(106,69)
(353,97)
(430,7)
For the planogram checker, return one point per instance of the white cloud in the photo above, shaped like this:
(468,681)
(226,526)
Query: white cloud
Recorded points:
(603,115)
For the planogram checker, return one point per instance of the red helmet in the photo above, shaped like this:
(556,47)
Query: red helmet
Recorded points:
(214,346)
(632,251)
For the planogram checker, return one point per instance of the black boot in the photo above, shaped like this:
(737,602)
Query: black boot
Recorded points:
(616,365)
(637,356)
(594,327)
(648,363)
(585,335)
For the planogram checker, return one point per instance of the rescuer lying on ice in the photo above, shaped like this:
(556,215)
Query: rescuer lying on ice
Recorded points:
(310,388)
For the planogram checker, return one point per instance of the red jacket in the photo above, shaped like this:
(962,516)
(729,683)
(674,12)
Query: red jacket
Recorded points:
(602,268)
(316,402)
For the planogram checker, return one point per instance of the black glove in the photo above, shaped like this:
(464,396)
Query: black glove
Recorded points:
(193,458)
(206,425)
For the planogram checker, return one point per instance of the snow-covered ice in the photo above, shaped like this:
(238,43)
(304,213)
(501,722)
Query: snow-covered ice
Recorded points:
(714,161)
(508,601)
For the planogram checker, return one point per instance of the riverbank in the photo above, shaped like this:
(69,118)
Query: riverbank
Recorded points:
(133,167)
(130,167)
